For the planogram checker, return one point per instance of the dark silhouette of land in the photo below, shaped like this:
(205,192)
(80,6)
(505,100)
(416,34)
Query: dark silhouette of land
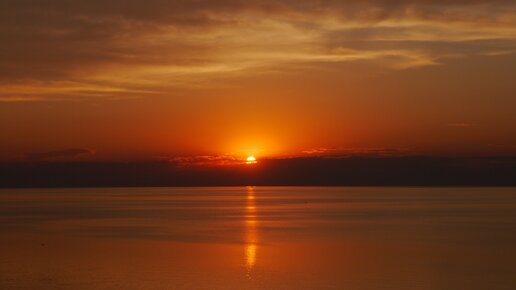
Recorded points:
(356,171)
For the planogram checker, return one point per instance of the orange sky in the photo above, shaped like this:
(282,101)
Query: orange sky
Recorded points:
(157,79)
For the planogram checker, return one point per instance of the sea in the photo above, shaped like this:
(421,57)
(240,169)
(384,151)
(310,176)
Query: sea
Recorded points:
(354,238)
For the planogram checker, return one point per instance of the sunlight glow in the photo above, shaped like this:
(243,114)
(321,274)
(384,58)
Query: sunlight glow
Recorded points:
(250,160)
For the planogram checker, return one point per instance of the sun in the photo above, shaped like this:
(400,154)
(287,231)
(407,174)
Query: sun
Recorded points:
(250,160)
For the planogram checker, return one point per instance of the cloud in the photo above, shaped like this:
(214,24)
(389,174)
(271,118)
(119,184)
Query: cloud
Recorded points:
(363,170)
(68,154)
(350,152)
(499,52)
(337,152)
(92,49)
(204,160)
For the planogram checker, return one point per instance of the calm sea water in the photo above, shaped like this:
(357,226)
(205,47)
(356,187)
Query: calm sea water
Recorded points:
(258,238)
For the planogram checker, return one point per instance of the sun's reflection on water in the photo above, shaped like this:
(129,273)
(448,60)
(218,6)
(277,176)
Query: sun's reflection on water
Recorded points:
(250,231)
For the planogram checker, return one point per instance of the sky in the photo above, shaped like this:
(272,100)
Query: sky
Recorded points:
(218,80)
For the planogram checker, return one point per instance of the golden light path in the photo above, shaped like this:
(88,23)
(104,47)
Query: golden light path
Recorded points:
(250,231)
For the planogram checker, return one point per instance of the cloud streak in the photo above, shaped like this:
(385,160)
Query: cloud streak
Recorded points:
(61,155)
(64,50)
(341,152)
(205,160)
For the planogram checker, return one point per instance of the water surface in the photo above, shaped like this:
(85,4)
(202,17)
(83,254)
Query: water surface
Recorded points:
(258,238)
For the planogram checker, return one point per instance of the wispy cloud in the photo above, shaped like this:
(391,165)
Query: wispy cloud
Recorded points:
(205,160)
(61,155)
(347,152)
(64,50)
(499,52)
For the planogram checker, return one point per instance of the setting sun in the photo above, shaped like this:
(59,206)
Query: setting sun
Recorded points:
(250,160)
